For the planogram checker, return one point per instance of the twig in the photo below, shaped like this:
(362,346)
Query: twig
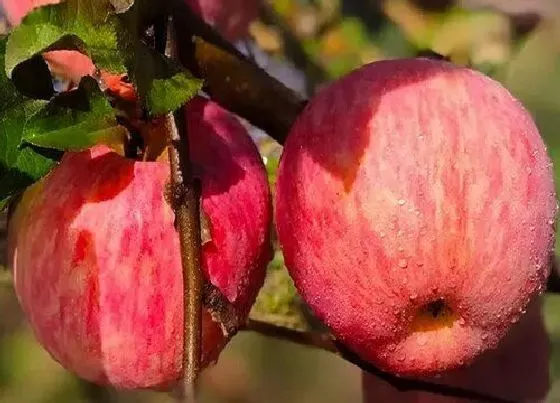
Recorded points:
(184,197)
(326,342)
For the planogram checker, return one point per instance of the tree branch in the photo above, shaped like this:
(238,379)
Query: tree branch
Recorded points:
(185,195)
(326,342)
(231,79)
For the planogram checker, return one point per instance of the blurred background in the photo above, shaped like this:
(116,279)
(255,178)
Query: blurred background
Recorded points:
(306,43)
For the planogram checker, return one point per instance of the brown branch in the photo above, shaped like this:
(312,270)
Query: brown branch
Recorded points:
(184,196)
(326,342)
(231,79)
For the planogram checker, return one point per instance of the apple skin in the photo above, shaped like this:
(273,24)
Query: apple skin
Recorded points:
(517,371)
(415,209)
(230,17)
(96,257)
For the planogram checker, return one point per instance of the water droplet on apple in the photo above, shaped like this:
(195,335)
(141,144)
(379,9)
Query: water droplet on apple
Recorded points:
(401,357)
(401,202)
(403,263)
(515,319)
(412,297)
(484,336)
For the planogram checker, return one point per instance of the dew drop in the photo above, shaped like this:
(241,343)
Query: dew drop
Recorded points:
(532,228)
(403,263)
(401,358)
(401,202)
(514,320)
(484,336)
(392,347)
(412,297)
(461,321)
(382,234)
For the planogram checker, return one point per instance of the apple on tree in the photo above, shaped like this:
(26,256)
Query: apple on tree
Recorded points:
(96,257)
(415,207)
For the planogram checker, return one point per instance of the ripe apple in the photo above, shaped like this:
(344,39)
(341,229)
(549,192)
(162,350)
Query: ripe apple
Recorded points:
(517,371)
(230,17)
(415,209)
(96,257)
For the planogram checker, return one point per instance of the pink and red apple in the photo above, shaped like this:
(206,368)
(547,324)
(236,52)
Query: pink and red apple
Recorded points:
(415,209)
(96,257)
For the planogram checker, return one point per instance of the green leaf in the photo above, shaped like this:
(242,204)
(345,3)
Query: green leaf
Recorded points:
(166,87)
(90,121)
(163,85)
(84,25)
(19,167)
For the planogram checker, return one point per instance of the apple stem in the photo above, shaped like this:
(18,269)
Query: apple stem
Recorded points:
(327,342)
(186,196)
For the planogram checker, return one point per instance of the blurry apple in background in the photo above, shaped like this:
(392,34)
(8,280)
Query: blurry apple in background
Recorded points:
(230,17)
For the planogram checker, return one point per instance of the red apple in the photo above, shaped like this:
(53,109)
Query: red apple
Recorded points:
(517,371)
(230,17)
(415,209)
(96,257)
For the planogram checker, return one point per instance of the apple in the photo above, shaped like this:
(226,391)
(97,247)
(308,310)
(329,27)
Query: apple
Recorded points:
(230,17)
(96,256)
(415,210)
(517,371)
